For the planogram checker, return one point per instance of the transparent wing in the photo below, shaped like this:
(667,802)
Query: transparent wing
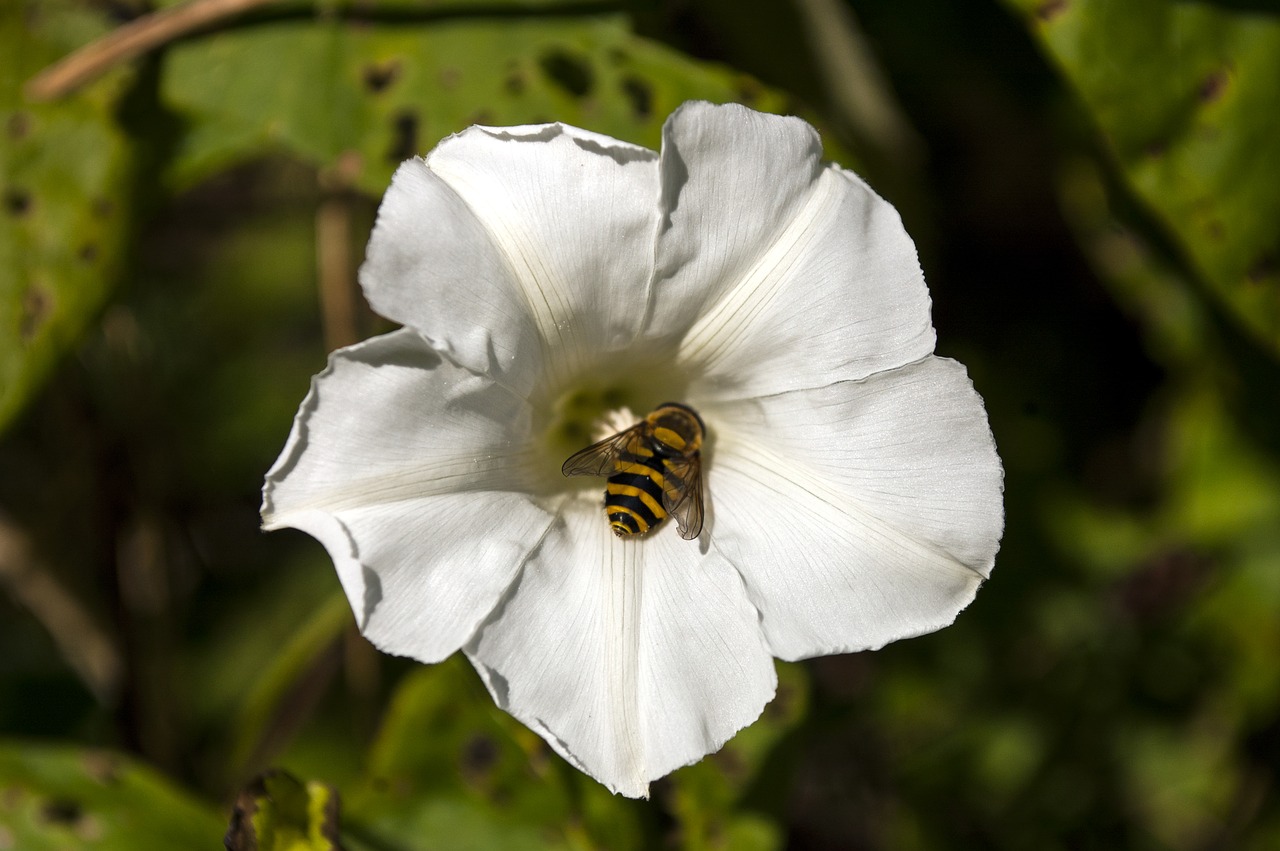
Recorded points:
(682,495)
(597,459)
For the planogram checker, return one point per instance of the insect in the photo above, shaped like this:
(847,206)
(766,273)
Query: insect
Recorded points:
(654,470)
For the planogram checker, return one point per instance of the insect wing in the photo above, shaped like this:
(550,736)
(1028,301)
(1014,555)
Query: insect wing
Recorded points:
(682,495)
(598,458)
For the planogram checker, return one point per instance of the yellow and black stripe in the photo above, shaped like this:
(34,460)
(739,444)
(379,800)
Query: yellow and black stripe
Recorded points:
(633,495)
(654,471)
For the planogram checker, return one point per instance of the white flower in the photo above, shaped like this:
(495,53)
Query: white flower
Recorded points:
(546,278)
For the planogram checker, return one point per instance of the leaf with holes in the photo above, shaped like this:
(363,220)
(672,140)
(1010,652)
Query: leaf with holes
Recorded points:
(64,172)
(57,797)
(1188,98)
(366,96)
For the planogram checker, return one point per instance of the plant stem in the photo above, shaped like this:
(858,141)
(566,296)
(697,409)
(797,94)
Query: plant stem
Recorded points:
(129,41)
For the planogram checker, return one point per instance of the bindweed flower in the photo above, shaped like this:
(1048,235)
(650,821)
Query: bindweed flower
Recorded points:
(549,280)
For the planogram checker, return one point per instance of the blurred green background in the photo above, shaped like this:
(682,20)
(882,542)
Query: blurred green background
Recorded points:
(1095,191)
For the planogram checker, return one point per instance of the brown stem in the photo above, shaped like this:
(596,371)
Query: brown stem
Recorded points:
(89,651)
(131,40)
(855,83)
(333,260)
(335,265)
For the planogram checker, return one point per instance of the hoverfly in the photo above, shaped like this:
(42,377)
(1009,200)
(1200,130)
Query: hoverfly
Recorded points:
(654,470)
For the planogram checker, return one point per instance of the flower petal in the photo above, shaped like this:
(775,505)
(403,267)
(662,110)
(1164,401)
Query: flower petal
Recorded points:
(785,273)
(859,513)
(518,250)
(408,470)
(631,658)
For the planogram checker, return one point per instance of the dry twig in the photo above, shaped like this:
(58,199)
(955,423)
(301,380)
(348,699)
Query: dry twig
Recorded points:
(131,40)
(85,646)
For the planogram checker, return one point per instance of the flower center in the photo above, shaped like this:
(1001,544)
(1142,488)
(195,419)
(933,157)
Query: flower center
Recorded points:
(587,410)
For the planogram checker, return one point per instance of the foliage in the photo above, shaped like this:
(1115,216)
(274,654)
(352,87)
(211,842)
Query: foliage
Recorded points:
(377,94)
(1185,95)
(60,797)
(277,812)
(1099,224)
(65,174)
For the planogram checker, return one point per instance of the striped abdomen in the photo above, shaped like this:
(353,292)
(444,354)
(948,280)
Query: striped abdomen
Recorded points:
(633,495)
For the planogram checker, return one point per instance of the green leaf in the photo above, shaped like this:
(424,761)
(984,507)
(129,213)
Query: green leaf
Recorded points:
(706,795)
(265,690)
(365,96)
(278,812)
(64,205)
(448,763)
(61,797)
(1194,574)
(449,770)
(1186,95)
